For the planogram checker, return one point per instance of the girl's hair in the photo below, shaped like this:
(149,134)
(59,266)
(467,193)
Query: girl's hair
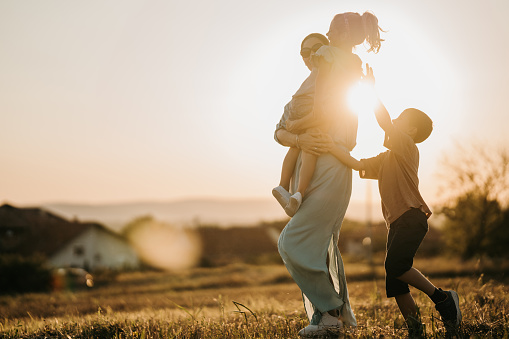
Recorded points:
(358,28)
(318,36)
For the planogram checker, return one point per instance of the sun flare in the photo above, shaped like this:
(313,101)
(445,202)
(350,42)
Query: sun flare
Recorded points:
(362,98)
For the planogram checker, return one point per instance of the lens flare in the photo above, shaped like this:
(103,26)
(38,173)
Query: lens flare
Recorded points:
(166,247)
(362,98)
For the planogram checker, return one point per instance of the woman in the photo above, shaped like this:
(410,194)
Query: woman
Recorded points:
(308,243)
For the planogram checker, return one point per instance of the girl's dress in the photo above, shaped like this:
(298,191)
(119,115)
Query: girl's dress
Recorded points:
(310,238)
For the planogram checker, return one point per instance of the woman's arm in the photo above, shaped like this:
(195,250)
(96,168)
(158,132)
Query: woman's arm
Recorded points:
(315,143)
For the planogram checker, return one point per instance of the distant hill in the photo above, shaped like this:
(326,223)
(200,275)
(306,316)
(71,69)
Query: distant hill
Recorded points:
(221,212)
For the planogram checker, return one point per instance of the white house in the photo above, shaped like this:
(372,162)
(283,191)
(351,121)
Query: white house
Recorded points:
(95,248)
(27,231)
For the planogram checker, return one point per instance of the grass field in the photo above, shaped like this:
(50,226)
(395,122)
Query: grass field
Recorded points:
(242,301)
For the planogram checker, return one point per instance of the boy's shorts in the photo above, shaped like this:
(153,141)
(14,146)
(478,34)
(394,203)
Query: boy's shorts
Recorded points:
(404,238)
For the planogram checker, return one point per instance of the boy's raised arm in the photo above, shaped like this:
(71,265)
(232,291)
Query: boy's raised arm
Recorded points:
(382,115)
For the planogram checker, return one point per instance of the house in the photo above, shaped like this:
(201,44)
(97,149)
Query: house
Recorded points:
(30,231)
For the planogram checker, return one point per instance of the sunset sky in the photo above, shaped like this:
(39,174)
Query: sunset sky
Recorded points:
(116,101)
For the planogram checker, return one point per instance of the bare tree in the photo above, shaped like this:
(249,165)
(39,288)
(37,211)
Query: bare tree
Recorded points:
(475,194)
(476,167)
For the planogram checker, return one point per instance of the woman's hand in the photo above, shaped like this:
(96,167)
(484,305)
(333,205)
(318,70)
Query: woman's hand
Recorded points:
(315,142)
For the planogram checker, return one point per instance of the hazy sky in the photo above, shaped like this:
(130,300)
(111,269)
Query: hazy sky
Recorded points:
(114,101)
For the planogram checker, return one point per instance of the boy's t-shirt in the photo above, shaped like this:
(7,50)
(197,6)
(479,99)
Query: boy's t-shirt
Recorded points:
(396,171)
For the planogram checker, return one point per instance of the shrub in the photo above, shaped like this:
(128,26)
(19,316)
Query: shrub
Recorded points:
(23,274)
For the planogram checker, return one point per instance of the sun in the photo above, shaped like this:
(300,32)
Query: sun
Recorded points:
(362,98)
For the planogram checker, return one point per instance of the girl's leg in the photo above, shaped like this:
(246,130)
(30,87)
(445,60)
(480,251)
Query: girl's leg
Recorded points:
(281,192)
(306,174)
(306,171)
(288,167)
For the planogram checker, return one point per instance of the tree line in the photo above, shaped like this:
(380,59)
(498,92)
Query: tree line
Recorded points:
(475,193)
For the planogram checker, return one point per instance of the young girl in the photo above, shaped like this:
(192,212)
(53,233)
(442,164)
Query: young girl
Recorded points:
(321,100)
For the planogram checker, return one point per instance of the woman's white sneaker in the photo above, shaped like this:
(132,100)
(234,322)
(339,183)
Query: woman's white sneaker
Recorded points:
(327,324)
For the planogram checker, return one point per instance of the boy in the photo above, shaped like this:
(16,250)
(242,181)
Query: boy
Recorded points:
(405,211)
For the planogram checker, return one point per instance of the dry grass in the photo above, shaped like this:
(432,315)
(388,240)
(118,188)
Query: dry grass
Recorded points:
(199,303)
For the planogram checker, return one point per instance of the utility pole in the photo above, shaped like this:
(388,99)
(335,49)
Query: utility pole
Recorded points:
(367,242)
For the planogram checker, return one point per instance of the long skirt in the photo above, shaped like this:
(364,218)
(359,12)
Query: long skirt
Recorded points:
(311,238)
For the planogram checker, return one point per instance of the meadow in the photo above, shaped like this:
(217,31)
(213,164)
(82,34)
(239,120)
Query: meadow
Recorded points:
(249,301)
